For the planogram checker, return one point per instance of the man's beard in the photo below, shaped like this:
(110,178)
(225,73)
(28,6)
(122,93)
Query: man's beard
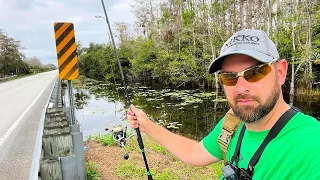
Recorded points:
(250,114)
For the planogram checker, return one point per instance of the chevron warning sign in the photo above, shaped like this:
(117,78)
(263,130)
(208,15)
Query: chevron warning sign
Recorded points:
(66,51)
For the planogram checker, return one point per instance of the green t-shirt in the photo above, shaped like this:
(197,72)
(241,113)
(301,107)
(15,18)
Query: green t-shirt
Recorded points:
(293,154)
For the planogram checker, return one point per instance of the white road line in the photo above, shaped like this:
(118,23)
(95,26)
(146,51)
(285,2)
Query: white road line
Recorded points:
(15,124)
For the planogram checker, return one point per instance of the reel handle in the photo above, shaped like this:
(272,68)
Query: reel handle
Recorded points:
(126,156)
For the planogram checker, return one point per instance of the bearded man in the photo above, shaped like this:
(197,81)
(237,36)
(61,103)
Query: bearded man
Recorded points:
(272,141)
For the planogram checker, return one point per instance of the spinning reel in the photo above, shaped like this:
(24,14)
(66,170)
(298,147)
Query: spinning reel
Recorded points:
(119,133)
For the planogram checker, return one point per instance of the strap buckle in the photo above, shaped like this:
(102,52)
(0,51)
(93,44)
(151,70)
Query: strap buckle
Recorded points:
(224,138)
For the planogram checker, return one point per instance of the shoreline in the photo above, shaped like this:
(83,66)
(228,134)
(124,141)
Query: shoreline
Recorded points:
(162,164)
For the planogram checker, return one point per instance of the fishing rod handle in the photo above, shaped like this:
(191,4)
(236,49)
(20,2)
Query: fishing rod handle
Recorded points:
(139,138)
(140,142)
(150,177)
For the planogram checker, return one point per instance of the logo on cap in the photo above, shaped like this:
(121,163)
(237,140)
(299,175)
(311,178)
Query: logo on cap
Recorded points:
(241,39)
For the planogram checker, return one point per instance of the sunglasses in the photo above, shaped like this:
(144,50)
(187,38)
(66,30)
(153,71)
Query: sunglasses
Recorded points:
(252,74)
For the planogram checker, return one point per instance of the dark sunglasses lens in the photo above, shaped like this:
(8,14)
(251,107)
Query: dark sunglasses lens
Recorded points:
(228,79)
(256,74)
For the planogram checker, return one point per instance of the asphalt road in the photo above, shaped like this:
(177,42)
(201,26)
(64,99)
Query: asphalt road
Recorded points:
(21,104)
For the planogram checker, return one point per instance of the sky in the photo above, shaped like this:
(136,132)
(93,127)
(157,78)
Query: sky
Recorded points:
(31,22)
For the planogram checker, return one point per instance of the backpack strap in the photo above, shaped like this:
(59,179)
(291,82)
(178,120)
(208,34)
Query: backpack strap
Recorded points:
(275,130)
(229,127)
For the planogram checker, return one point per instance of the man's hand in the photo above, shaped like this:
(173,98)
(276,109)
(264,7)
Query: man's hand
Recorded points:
(138,118)
(187,150)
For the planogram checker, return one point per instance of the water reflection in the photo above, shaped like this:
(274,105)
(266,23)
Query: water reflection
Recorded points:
(81,98)
(95,111)
(192,113)
(309,105)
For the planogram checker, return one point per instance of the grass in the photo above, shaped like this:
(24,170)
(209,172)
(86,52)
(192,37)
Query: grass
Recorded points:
(128,169)
(104,139)
(166,174)
(92,170)
(163,165)
(218,167)
(156,147)
(17,77)
(75,82)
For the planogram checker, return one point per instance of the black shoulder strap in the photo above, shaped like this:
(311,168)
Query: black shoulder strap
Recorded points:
(271,135)
(235,156)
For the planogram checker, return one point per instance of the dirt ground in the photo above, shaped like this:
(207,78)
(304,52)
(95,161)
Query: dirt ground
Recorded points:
(109,158)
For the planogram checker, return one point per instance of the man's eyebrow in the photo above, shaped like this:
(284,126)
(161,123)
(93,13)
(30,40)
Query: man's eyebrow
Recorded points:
(257,64)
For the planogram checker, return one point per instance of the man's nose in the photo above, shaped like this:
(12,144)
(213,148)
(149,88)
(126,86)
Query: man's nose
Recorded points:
(242,85)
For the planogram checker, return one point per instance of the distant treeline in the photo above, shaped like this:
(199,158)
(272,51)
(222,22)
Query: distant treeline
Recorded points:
(13,60)
(173,42)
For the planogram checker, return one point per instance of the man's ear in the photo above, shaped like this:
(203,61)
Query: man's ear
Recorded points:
(282,68)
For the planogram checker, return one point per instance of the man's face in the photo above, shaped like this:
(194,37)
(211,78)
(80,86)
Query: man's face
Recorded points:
(250,101)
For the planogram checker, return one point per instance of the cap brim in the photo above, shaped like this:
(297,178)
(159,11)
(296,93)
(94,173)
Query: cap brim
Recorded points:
(261,57)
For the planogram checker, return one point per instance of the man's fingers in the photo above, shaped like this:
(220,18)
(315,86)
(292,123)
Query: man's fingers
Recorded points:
(132,107)
(130,117)
(134,126)
(130,112)
(134,123)
(133,120)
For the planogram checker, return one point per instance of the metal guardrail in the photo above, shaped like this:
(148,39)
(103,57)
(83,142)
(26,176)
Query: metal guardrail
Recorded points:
(34,172)
(59,149)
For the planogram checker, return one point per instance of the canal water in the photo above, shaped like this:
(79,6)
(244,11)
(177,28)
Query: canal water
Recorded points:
(191,113)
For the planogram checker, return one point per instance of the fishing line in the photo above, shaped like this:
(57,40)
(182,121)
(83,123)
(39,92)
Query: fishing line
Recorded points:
(115,83)
(139,138)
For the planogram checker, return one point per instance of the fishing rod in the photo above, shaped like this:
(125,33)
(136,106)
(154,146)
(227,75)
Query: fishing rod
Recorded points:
(139,138)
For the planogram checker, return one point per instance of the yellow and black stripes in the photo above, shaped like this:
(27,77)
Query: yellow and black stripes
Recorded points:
(66,51)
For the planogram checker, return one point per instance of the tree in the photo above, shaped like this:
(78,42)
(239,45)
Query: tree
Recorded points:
(11,56)
(175,40)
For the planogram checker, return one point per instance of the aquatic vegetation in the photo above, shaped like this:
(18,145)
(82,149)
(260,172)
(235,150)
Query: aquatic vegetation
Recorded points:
(192,108)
